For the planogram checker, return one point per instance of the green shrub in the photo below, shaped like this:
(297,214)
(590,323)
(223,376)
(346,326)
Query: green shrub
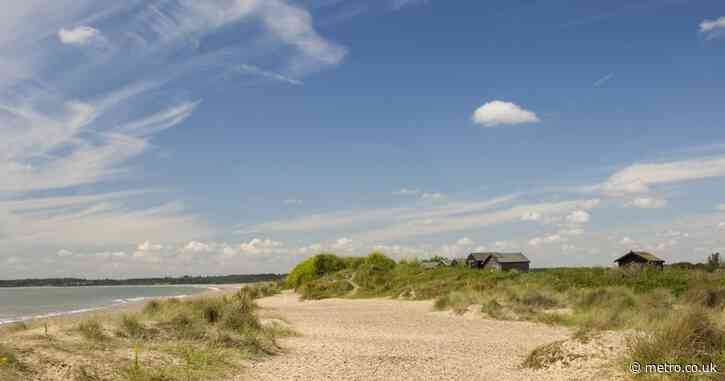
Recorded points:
(152,307)
(379,262)
(325,288)
(376,272)
(536,299)
(131,327)
(688,336)
(7,357)
(314,268)
(705,297)
(610,298)
(92,330)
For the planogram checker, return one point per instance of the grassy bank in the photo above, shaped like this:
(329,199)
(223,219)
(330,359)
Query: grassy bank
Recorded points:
(677,313)
(199,338)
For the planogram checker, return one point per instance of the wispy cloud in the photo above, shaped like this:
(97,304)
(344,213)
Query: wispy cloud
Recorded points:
(647,203)
(713,28)
(601,81)
(407,192)
(639,178)
(399,4)
(251,69)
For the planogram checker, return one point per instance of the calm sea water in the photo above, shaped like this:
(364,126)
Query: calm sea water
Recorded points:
(33,302)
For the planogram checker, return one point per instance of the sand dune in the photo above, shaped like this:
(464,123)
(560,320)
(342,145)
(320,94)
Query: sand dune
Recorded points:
(383,339)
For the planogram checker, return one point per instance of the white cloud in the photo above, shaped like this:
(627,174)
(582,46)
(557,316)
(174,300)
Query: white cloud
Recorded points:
(497,113)
(407,192)
(638,178)
(64,253)
(647,203)
(432,196)
(343,244)
(546,240)
(401,251)
(80,35)
(198,247)
(578,217)
(531,216)
(711,25)
(572,232)
(260,246)
(293,201)
(627,241)
(294,26)
(148,246)
(465,241)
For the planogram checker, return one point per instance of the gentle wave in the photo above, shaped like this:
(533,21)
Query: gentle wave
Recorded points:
(115,303)
(51,314)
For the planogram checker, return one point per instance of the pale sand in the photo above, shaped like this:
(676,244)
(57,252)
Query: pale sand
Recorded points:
(384,339)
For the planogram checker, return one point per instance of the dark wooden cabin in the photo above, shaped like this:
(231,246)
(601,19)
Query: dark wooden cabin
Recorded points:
(639,260)
(498,261)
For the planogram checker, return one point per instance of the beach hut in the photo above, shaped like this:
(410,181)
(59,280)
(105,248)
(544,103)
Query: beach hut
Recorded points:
(640,259)
(499,261)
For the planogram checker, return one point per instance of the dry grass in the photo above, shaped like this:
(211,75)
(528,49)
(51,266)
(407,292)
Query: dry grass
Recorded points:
(194,339)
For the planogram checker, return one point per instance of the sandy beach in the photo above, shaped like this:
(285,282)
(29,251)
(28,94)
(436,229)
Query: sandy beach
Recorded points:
(385,339)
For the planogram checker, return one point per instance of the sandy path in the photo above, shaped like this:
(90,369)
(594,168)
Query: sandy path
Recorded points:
(380,339)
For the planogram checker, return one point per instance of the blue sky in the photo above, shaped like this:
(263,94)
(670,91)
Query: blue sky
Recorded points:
(234,136)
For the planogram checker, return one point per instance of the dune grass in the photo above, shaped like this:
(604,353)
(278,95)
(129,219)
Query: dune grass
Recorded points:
(201,338)
(588,300)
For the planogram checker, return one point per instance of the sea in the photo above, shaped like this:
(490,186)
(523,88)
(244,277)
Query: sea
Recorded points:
(27,303)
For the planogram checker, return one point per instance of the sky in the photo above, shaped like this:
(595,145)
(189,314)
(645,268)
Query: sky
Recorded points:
(173,137)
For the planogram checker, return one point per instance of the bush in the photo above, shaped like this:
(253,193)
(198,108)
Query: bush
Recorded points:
(689,336)
(314,268)
(325,288)
(610,298)
(152,307)
(131,327)
(92,330)
(537,299)
(376,272)
(7,357)
(379,262)
(705,297)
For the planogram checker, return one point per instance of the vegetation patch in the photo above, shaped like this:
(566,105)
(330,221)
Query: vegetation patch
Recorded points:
(194,339)
(687,337)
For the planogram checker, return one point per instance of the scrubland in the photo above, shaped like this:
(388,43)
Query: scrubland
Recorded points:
(200,338)
(673,316)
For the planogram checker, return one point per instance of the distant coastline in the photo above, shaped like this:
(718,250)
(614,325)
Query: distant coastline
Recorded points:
(159,281)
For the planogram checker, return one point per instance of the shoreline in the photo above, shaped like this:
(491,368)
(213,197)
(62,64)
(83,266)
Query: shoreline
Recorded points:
(121,305)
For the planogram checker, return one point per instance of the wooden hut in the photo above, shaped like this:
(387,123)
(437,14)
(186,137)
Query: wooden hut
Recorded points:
(640,259)
(499,261)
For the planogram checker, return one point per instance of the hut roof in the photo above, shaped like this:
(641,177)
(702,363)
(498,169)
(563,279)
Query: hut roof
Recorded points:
(500,257)
(649,257)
